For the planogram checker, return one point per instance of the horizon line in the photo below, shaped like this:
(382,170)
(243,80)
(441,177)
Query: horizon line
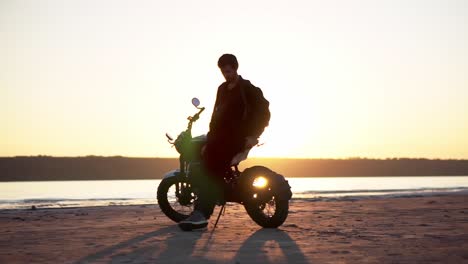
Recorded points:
(283,158)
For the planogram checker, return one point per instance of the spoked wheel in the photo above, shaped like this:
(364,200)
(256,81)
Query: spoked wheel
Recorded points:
(176,198)
(270,214)
(269,208)
(267,197)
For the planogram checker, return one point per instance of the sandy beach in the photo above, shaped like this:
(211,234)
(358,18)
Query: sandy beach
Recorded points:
(431,229)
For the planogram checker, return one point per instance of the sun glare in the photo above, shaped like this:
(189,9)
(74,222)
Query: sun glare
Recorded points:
(260,182)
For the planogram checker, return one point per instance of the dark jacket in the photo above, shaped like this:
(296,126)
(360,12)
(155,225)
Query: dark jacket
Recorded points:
(236,112)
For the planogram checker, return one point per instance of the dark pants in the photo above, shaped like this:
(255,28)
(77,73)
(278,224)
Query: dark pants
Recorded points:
(209,177)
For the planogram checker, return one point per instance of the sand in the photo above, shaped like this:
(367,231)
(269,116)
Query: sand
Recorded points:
(430,229)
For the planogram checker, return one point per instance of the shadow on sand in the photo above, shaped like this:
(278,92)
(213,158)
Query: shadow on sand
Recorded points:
(270,246)
(169,244)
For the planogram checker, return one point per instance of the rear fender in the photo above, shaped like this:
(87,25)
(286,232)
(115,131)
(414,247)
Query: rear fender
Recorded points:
(278,183)
(172,173)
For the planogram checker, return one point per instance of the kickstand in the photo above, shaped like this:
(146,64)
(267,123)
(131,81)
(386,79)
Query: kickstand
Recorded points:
(223,209)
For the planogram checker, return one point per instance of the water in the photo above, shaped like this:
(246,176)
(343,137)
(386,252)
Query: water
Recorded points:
(56,194)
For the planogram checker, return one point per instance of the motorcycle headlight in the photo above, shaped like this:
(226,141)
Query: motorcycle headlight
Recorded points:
(260,182)
(182,142)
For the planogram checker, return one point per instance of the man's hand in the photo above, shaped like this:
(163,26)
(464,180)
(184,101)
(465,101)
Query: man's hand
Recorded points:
(250,142)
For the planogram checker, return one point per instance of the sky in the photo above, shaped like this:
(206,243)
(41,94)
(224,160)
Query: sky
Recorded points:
(346,78)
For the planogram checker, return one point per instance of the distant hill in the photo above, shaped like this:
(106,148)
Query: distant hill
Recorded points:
(46,168)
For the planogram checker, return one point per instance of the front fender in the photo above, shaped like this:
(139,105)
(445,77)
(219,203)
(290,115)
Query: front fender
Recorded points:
(172,173)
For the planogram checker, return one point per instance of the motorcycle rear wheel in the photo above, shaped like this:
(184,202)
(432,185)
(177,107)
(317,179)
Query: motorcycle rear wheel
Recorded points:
(176,198)
(269,212)
(265,216)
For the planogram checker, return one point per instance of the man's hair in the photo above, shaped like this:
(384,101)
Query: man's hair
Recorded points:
(228,59)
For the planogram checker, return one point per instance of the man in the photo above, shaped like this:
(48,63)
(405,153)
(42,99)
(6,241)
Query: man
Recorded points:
(236,123)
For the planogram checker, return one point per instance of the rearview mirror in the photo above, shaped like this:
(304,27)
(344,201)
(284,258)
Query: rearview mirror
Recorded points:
(195,102)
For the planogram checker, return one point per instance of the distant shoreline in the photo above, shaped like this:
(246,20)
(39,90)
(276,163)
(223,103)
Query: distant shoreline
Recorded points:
(47,168)
(160,178)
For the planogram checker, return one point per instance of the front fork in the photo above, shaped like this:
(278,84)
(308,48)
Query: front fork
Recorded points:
(184,188)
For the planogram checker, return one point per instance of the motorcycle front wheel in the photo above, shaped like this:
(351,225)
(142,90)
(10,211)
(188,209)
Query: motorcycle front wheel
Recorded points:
(176,198)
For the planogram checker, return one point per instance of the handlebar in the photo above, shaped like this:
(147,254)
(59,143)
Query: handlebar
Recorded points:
(191,119)
(194,118)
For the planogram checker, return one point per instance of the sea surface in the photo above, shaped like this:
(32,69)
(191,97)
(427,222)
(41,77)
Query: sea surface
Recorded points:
(57,194)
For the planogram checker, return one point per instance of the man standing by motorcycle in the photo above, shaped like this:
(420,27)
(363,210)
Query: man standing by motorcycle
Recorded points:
(239,117)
